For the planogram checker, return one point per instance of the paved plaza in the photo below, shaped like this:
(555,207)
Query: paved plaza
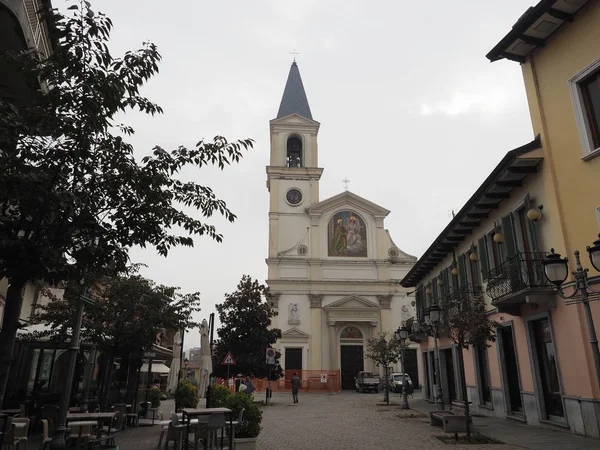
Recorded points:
(353,421)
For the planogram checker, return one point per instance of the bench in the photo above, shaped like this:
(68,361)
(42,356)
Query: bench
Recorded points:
(452,421)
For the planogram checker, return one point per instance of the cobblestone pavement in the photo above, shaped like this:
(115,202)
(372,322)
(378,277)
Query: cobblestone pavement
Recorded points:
(347,421)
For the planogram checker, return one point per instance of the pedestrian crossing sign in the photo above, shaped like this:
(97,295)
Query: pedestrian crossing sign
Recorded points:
(228,361)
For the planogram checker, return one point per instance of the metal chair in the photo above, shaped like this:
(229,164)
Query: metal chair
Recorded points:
(116,425)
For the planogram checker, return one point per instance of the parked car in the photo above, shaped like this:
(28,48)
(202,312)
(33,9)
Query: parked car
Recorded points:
(366,381)
(396,379)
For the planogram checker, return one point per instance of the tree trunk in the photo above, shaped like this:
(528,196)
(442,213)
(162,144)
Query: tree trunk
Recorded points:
(132,383)
(109,356)
(386,391)
(463,386)
(8,336)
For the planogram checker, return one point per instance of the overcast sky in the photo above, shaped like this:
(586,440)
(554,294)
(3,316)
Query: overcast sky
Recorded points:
(411,111)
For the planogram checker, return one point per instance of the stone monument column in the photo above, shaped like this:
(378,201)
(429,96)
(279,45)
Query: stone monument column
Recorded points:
(316,341)
(332,347)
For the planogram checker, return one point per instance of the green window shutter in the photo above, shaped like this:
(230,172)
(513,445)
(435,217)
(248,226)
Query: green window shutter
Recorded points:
(531,226)
(508,230)
(462,270)
(483,258)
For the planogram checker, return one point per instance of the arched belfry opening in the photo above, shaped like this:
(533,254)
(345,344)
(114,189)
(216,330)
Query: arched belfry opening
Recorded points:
(294,152)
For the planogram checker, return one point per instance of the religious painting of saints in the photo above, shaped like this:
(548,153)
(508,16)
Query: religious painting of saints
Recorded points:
(347,235)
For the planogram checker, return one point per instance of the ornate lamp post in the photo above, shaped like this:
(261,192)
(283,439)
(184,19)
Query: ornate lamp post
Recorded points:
(59,440)
(432,321)
(401,335)
(556,270)
(186,363)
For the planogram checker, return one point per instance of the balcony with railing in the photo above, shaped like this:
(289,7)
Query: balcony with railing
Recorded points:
(415,333)
(518,281)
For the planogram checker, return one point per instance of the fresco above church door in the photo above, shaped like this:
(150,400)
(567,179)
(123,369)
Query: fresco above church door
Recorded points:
(347,235)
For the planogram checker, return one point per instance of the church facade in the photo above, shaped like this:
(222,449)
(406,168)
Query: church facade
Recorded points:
(333,268)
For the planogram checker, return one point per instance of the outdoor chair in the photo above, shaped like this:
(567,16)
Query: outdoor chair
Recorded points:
(5,426)
(50,412)
(81,435)
(22,432)
(121,408)
(46,438)
(116,425)
(13,439)
(208,431)
(174,432)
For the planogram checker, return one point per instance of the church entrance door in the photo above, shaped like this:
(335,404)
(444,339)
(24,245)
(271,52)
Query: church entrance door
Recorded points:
(352,363)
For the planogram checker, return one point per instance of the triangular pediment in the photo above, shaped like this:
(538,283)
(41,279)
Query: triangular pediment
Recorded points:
(352,302)
(294,119)
(294,333)
(347,199)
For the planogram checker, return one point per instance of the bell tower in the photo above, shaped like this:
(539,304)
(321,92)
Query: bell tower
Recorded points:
(293,174)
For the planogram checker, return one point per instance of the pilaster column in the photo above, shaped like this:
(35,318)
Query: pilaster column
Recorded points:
(385,302)
(274,300)
(316,318)
(332,346)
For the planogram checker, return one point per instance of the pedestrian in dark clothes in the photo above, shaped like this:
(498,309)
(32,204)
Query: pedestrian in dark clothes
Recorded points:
(295,386)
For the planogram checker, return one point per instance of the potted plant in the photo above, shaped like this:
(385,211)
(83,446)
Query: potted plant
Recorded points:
(218,395)
(186,395)
(154,396)
(248,430)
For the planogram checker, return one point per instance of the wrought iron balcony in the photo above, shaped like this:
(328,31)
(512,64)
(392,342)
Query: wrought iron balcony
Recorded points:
(415,333)
(517,281)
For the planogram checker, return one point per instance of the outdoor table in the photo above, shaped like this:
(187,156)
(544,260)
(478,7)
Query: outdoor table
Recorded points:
(188,413)
(99,417)
(10,412)
(82,423)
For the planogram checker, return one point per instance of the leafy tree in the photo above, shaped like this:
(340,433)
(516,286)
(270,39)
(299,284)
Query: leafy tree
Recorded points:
(128,314)
(246,331)
(73,198)
(384,351)
(465,321)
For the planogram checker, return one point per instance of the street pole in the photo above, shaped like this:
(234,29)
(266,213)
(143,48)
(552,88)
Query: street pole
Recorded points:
(404,393)
(438,376)
(268,385)
(59,441)
(148,376)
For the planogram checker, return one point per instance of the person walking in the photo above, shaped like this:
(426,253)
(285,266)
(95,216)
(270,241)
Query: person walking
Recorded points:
(249,386)
(295,386)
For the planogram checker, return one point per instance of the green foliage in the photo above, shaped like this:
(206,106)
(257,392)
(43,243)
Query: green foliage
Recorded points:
(383,350)
(154,396)
(218,395)
(186,395)
(128,313)
(74,199)
(465,319)
(246,331)
(250,426)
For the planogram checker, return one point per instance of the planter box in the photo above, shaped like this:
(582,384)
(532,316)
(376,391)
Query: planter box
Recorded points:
(245,443)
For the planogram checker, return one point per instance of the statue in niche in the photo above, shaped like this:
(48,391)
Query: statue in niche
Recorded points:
(404,313)
(293,314)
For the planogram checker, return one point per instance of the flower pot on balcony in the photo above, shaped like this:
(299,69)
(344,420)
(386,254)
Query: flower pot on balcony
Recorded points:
(245,443)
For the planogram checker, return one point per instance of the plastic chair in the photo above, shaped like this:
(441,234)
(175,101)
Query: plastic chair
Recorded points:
(208,431)
(122,409)
(116,425)
(81,435)
(46,439)
(174,433)
(5,427)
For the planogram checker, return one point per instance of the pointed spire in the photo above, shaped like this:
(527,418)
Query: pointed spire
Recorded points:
(294,99)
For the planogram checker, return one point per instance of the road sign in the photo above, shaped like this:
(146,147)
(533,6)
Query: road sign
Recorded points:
(270,356)
(323,378)
(228,361)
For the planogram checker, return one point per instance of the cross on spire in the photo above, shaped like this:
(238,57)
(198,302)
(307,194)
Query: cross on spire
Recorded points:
(294,53)
(346,181)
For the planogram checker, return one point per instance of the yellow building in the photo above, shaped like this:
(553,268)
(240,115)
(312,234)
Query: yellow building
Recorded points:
(543,368)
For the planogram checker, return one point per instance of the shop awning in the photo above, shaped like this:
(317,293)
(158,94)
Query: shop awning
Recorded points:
(156,368)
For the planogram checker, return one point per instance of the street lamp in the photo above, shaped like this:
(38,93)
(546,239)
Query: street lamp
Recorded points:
(401,335)
(556,270)
(432,321)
